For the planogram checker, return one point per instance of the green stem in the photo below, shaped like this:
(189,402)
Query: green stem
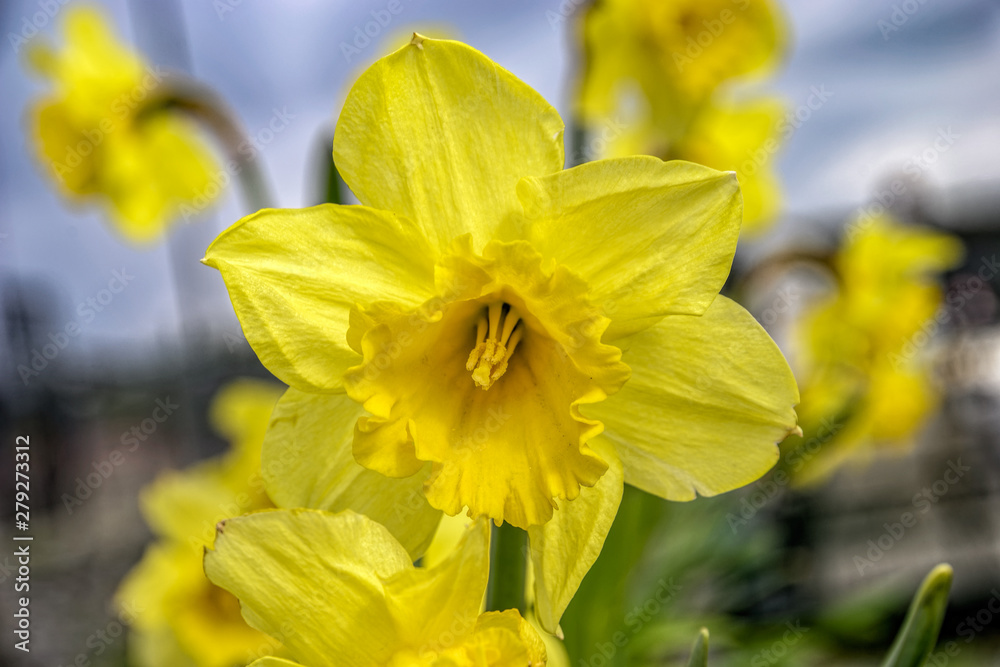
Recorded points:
(207,108)
(508,569)
(333,180)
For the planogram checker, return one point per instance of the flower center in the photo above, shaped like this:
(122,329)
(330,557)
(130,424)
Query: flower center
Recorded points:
(498,331)
(507,453)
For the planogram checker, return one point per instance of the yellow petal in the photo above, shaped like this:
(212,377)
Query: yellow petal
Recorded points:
(241,411)
(708,399)
(293,276)
(313,579)
(157,648)
(274,662)
(152,167)
(741,138)
(439,133)
(650,238)
(431,605)
(564,548)
(186,505)
(503,624)
(498,639)
(307,462)
(449,532)
(168,599)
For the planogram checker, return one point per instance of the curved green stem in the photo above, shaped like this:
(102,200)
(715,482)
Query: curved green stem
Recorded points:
(209,110)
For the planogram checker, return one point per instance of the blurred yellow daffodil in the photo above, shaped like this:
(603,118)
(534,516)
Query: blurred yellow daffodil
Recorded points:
(866,383)
(101,135)
(462,339)
(655,68)
(338,589)
(676,52)
(184,618)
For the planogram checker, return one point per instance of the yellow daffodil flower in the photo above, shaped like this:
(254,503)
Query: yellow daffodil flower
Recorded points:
(183,618)
(676,53)
(464,337)
(650,87)
(100,137)
(338,589)
(866,383)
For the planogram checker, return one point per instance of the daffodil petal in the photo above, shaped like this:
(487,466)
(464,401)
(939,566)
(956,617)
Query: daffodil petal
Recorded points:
(650,238)
(513,637)
(294,274)
(168,599)
(564,548)
(274,662)
(241,411)
(439,133)
(743,138)
(435,606)
(314,579)
(708,399)
(185,506)
(307,462)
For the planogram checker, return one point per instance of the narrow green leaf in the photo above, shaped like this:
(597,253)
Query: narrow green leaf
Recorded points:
(917,639)
(699,652)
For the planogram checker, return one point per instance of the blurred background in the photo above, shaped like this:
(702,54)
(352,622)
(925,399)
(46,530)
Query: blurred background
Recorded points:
(889,119)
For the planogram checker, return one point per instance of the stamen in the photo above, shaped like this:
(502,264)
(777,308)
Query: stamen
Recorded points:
(508,325)
(477,352)
(501,368)
(497,335)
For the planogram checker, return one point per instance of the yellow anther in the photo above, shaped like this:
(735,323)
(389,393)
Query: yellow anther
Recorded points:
(497,334)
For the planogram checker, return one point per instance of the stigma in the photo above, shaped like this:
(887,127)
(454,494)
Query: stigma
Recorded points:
(498,331)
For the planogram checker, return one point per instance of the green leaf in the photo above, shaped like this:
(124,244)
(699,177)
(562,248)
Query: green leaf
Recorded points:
(917,639)
(699,652)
